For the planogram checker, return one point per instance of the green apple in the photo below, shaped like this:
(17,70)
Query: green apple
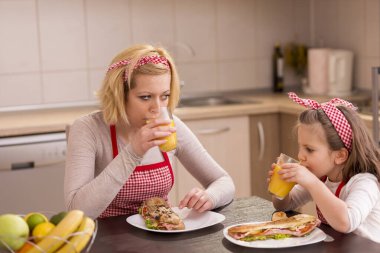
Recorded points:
(14,231)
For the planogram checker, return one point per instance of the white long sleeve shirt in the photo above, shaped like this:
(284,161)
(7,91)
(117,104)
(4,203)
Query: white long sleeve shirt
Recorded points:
(362,196)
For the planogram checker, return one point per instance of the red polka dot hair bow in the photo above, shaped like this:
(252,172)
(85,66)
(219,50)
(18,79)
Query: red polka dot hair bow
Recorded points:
(154,59)
(336,117)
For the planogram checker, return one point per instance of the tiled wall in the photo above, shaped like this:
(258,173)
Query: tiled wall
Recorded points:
(352,25)
(56,51)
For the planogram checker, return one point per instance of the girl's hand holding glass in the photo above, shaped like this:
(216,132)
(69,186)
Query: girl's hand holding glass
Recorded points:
(277,185)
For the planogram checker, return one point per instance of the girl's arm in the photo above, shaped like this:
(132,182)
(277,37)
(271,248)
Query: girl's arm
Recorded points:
(283,204)
(333,209)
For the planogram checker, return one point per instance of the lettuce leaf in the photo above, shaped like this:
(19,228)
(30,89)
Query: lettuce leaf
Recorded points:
(264,237)
(151,224)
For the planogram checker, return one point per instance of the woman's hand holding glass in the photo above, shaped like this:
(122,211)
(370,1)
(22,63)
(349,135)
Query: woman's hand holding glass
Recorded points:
(149,135)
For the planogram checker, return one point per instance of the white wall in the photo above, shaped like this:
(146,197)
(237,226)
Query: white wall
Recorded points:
(54,51)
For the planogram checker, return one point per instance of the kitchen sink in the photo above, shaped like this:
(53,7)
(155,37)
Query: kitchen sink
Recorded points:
(215,101)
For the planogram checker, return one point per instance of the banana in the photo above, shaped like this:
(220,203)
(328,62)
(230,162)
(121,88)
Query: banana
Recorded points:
(80,238)
(60,233)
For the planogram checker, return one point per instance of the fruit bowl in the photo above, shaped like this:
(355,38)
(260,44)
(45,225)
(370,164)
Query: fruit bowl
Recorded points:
(74,233)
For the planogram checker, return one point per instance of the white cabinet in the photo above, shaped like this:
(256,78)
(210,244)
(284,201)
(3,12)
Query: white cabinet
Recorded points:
(227,141)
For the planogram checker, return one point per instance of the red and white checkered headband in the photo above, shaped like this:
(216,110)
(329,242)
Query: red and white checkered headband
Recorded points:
(336,117)
(154,59)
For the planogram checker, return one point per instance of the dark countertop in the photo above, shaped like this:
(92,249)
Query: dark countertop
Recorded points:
(116,235)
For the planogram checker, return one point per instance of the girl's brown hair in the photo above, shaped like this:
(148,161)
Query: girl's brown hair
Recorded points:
(364,156)
(114,90)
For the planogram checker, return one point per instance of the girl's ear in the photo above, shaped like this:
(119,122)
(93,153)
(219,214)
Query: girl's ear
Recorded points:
(341,156)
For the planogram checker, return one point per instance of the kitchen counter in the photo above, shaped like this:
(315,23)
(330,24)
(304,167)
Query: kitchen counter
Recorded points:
(116,235)
(54,120)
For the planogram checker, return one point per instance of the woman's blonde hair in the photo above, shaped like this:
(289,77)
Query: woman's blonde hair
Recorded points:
(114,90)
(364,156)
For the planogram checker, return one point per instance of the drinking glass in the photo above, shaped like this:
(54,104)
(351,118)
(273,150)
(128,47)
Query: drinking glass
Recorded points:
(171,140)
(278,187)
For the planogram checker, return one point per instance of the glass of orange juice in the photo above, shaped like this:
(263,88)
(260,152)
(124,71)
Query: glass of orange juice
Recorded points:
(171,140)
(277,186)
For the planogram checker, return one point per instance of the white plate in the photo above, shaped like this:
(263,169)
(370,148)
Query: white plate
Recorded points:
(316,236)
(192,219)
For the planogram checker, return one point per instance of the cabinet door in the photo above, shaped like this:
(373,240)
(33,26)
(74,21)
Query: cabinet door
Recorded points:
(289,143)
(227,141)
(265,147)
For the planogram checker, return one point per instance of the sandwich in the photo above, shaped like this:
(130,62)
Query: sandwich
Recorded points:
(295,226)
(279,216)
(159,216)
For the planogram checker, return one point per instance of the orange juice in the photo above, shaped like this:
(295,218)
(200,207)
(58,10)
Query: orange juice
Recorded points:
(277,186)
(171,141)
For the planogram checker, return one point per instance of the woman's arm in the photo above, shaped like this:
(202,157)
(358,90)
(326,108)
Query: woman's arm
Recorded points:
(82,188)
(194,157)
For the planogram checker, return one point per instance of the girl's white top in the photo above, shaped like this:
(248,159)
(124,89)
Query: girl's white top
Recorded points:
(362,196)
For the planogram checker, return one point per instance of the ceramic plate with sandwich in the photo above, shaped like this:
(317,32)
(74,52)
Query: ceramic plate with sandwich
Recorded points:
(300,229)
(156,215)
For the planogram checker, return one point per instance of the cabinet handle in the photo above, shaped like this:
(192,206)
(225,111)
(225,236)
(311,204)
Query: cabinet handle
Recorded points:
(260,128)
(213,130)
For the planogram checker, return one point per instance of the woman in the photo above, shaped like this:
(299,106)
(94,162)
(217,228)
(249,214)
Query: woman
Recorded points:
(113,161)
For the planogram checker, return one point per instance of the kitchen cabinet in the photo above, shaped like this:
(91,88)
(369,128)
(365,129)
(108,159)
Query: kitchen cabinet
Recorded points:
(289,146)
(227,141)
(289,143)
(265,147)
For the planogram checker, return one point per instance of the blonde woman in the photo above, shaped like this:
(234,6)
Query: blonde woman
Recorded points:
(113,161)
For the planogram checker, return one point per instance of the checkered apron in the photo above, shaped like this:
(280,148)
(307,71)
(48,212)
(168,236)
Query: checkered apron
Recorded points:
(146,181)
(337,193)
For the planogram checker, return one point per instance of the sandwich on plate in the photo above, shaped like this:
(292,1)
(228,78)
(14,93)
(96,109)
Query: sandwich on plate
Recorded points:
(295,226)
(159,216)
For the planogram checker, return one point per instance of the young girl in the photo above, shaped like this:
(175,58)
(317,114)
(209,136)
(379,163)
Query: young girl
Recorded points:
(338,170)
(113,161)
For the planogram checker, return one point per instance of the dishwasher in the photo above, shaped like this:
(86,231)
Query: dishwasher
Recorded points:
(31,173)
